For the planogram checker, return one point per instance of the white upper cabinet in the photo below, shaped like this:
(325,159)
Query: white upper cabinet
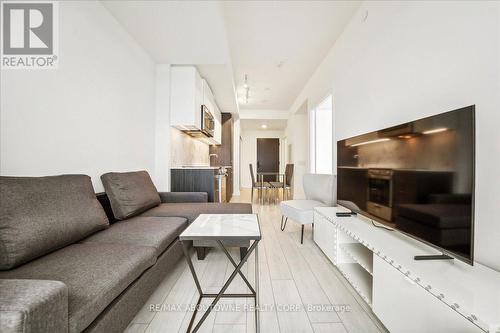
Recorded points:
(186,98)
(218,125)
(188,92)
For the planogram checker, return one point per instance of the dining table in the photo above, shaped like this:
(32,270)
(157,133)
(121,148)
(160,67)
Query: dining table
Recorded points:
(279,177)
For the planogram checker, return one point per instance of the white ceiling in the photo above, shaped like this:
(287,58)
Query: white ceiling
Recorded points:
(256,124)
(220,79)
(183,33)
(175,32)
(278,44)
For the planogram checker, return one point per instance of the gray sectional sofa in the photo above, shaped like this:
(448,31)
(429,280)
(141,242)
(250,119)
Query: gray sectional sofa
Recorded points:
(65,268)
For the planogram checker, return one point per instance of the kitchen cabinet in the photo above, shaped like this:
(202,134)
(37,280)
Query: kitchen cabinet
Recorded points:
(229,184)
(209,102)
(224,151)
(188,92)
(199,180)
(186,98)
(218,125)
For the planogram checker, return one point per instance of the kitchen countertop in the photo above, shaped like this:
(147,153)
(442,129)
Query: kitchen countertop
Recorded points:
(199,167)
(395,169)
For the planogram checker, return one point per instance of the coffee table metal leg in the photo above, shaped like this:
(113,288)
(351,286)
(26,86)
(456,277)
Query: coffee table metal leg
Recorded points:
(257,322)
(254,292)
(191,267)
(226,285)
(236,265)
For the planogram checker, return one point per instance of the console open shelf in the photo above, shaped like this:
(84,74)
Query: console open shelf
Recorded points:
(359,279)
(446,296)
(360,254)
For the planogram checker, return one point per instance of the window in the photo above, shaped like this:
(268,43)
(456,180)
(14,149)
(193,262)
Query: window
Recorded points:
(321,137)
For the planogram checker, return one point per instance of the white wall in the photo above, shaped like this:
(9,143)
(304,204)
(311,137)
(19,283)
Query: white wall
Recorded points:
(413,59)
(236,155)
(249,152)
(322,140)
(297,135)
(95,113)
(162,128)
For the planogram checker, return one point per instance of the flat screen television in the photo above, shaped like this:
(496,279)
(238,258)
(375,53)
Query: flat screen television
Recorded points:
(417,177)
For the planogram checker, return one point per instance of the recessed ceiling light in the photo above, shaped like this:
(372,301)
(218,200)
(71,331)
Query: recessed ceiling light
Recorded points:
(436,130)
(247,88)
(264,126)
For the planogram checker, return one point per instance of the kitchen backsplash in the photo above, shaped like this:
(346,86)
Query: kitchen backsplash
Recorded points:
(186,150)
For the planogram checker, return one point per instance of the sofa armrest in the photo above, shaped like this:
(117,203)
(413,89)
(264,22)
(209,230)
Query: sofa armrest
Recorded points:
(33,306)
(180,197)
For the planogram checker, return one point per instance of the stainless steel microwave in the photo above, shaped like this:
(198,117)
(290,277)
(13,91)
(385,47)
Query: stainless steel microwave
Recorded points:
(207,122)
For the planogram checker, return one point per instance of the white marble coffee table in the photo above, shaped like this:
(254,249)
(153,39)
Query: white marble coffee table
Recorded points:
(219,228)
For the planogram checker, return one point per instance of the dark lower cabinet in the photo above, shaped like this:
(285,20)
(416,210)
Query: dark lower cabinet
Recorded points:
(224,152)
(229,184)
(194,180)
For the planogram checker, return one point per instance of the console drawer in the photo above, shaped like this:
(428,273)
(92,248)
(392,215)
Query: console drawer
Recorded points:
(404,306)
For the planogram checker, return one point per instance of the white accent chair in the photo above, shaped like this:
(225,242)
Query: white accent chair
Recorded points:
(319,191)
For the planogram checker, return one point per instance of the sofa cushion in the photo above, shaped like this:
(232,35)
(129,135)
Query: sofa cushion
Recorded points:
(95,275)
(300,211)
(190,211)
(130,193)
(158,232)
(28,306)
(42,214)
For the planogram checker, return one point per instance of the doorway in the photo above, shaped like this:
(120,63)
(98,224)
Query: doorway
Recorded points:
(268,156)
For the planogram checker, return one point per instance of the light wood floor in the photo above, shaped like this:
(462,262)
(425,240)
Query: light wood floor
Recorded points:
(300,290)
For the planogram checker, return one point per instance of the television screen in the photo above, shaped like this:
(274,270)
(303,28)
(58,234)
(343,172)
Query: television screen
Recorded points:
(417,177)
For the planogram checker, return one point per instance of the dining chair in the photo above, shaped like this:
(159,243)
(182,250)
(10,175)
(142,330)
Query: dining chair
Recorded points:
(257,184)
(319,192)
(286,183)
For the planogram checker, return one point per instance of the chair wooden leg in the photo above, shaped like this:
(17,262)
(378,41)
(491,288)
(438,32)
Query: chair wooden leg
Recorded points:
(302,235)
(251,198)
(283,226)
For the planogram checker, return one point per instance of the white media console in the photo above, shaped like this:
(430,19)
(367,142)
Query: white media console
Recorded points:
(408,295)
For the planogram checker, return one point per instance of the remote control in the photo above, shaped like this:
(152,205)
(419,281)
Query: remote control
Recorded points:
(343,214)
